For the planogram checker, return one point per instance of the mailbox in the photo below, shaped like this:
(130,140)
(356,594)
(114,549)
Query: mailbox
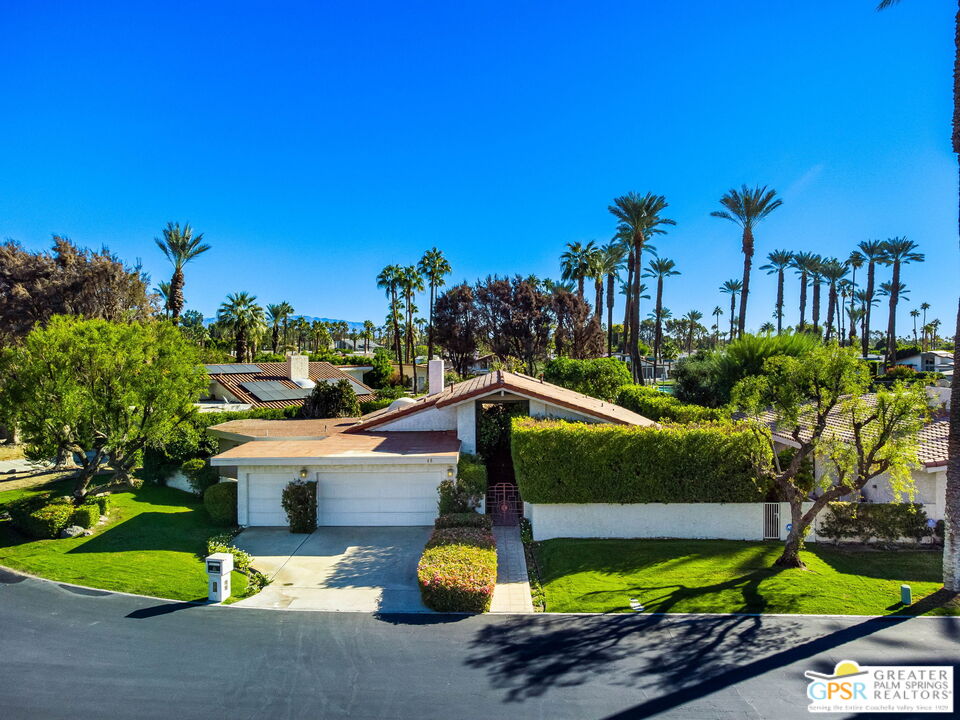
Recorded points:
(219,567)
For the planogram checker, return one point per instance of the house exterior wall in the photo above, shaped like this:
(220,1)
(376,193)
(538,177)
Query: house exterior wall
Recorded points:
(358,372)
(433,418)
(929,489)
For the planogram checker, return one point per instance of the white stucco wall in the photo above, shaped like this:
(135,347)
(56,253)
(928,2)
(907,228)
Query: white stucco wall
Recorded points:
(929,489)
(444,418)
(467,427)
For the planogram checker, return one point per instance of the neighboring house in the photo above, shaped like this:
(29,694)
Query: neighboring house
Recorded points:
(355,371)
(385,468)
(241,386)
(940,361)
(929,477)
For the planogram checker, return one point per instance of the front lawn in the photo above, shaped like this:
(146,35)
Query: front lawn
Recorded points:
(720,576)
(149,547)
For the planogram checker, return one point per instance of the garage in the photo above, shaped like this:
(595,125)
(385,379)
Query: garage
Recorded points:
(391,496)
(264,492)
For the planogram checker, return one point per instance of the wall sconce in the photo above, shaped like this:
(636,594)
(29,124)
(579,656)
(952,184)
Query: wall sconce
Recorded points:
(304,473)
(449,473)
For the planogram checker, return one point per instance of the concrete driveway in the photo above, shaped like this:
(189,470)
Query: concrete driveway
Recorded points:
(341,569)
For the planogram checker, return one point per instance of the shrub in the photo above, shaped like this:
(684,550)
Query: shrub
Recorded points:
(472,536)
(41,517)
(600,377)
(199,474)
(887,522)
(86,516)
(463,495)
(300,503)
(221,543)
(901,372)
(101,501)
(331,400)
(382,371)
(464,519)
(455,575)
(561,462)
(368,406)
(391,392)
(220,500)
(655,405)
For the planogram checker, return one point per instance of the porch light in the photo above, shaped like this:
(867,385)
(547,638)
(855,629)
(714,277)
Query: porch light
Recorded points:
(303,473)
(449,472)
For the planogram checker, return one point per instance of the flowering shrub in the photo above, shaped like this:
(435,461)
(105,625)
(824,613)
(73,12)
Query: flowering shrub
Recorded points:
(458,570)
(221,544)
(464,519)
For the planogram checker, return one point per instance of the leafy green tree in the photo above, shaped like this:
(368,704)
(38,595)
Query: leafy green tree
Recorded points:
(180,246)
(747,207)
(803,394)
(101,391)
(382,370)
(331,400)
(601,378)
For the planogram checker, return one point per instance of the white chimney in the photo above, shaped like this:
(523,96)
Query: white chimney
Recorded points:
(298,367)
(434,377)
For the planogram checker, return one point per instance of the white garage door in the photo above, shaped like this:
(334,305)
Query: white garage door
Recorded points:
(263,493)
(378,498)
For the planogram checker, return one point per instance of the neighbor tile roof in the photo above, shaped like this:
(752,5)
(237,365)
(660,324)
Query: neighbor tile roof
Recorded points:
(278,371)
(510,382)
(382,445)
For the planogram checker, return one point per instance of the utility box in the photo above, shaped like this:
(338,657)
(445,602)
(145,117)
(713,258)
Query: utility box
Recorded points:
(219,567)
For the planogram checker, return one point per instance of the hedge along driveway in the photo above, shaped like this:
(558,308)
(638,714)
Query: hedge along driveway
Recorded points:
(149,547)
(562,462)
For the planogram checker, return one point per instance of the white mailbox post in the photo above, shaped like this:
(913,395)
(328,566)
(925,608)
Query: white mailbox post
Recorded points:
(219,567)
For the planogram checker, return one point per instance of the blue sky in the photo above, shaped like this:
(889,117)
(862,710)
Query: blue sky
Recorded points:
(313,143)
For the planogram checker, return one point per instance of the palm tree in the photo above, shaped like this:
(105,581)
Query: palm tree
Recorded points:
(815,270)
(802,263)
(163,290)
(433,266)
(873,251)
(915,314)
(638,218)
(778,262)
(924,307)
(733,288)
(659,268)
(833,272)
(368,329)
(389,281)
(747,207)
(717,312)
(180,247)
(277,314)
(242,314)
(575,263)
(935,333)
(767,328)
(692,318)
(899,251)
(855,261)
(613,254)
(411,282)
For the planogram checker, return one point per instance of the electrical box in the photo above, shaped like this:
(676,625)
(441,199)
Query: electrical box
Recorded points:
(219,567)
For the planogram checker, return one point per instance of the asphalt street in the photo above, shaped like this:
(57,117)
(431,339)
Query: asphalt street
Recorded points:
(77,654)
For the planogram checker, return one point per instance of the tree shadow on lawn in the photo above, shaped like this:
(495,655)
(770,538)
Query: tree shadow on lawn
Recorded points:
(178,532)
(895,565)
(673,660)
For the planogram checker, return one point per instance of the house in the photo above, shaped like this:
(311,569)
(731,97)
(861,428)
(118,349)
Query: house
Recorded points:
(355,371)
(940,361)
(242,386)
(385,467)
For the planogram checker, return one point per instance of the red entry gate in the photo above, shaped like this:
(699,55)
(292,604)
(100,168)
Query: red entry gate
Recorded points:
(505,505)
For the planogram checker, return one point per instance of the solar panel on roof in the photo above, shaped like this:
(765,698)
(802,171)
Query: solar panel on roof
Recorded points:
(232,369)
(269,390)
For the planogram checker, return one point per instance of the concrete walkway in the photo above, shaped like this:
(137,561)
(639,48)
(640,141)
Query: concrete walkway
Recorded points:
(512,593)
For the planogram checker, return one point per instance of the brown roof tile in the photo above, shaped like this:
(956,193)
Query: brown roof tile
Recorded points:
(278,371)
(383,446)
(254,429)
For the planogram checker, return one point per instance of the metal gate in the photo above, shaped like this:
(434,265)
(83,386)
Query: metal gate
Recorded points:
(771,521)
(505,504)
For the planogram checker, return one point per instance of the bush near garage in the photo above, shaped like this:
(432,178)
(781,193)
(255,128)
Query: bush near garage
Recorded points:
(299,501)
(86,516)
(220,500)
(464,519)
(561,462)
(458,570)
(41,517)
(885,522)
(655,405)
(463,495)
(199,475)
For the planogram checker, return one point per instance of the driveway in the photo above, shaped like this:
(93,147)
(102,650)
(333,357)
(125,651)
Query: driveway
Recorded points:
(341,569)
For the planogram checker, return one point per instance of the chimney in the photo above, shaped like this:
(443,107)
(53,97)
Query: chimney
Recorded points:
(298,367)
(434,377)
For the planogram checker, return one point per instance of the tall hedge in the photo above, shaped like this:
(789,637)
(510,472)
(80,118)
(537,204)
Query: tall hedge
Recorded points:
(600,377)
(561,462)
(656,405)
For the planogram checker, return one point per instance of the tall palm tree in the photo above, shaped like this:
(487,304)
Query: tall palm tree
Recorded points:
(802,263)
(815,270)
(639,217)
(411,282)
(242,314)
(924,306)
(693,318)
(613,254)
(915,314)
(767,328)
(163,290)
(597,272)
(433,266)
(899,251)
(368,329)
(659,268)
(389,281)
(747,207)
(180,247)
(575,263)
(873,251)
(833,272)
(855,261)
(717,312)
(732,288)
(778,262)
(275,316)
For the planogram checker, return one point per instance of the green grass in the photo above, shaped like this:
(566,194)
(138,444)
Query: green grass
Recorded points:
(149,547)
(719,576)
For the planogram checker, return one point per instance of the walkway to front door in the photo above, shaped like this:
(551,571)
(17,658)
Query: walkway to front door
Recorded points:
(512,593)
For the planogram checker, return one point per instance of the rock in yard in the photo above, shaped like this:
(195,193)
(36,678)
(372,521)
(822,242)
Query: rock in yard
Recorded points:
(71,532)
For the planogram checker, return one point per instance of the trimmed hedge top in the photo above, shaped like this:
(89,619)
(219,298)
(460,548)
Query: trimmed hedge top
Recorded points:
(562,462)
(655,405)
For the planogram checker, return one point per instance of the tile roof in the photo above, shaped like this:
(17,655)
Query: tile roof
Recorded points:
(511,382)
(255,429)
(368,446)
(278,371)
(932,451)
